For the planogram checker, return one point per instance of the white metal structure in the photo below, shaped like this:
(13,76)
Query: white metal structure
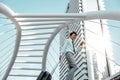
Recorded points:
(26,22)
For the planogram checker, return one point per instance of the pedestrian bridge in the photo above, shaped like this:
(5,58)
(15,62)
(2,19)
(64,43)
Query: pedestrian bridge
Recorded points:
(25,45)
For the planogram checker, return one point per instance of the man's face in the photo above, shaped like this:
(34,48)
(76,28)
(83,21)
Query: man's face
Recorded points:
(73,36)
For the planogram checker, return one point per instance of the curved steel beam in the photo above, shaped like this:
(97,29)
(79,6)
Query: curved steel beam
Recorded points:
(9,13)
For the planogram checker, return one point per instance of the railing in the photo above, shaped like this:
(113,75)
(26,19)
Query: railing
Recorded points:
(53,58)
(7,43)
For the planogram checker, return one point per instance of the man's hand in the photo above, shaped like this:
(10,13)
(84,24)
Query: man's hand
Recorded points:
(82,43)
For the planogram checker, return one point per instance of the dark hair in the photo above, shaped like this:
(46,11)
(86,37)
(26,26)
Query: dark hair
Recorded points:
(73,33)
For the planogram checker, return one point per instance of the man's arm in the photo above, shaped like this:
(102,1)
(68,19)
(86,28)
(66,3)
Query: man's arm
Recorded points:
(81,44)
(63,48)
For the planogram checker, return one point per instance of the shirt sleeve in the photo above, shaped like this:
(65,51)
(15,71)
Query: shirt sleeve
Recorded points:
(64,46)
(76,49)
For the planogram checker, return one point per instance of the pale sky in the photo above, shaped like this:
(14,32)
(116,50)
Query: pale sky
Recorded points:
(37,6)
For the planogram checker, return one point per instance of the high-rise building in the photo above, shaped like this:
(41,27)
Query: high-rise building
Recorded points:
(94,59)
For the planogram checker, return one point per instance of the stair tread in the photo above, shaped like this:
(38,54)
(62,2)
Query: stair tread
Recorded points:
(21,75)
(22,61)
(28,55)
(27,44)
(22,68)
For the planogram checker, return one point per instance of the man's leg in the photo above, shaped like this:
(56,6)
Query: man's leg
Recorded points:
(72,65)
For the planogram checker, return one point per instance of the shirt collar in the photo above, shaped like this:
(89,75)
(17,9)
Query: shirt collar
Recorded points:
(70,39)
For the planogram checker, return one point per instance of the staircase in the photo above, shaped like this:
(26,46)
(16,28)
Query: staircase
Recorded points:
(35,33)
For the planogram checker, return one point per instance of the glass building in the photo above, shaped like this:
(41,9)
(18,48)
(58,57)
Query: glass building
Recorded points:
(94,58)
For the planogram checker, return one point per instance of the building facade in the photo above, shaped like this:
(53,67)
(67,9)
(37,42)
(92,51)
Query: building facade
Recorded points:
(94,59)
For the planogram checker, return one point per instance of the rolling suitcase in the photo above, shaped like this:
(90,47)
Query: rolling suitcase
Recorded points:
(44,75)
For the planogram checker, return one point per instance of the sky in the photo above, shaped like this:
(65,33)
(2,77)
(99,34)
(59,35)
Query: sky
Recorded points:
(37,6)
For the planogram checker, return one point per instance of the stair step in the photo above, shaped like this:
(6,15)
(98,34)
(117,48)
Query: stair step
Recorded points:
(33,39)
(33,28)
(21,68)
(19,75)
(27,55)
(38,24)
(28,62)
(30,44)
(31,50)
(29,34)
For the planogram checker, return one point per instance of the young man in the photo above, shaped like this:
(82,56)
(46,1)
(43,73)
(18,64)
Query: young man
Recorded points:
(69,50)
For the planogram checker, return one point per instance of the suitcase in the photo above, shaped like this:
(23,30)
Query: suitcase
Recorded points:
(44,75)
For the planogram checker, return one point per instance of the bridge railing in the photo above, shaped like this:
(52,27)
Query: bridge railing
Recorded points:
(7,43)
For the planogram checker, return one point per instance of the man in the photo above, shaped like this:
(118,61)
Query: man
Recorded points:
(69,50)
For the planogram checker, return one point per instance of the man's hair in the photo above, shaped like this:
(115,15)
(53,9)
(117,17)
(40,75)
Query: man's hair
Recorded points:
(73,33)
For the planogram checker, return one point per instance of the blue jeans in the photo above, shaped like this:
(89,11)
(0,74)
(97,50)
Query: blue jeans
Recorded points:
(72,65)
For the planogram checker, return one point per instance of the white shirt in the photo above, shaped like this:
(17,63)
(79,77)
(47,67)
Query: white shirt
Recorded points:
(68,46)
